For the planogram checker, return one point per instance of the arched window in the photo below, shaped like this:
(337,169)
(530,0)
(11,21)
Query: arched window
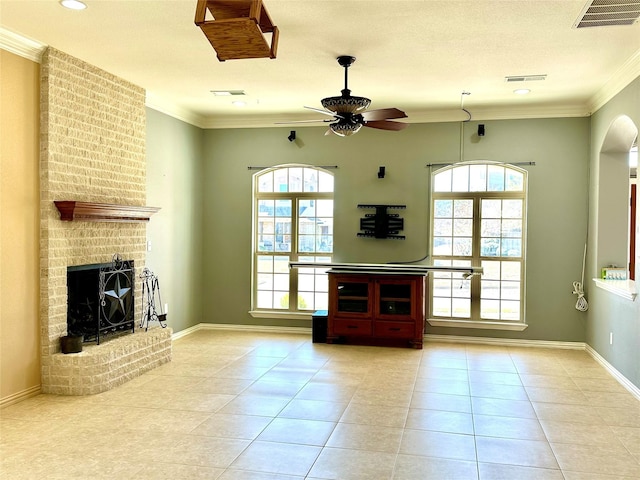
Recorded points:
(292,221)
(478,218)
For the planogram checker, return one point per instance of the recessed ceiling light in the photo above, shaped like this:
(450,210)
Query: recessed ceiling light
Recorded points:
(521,91)
(73,4)
(239,103)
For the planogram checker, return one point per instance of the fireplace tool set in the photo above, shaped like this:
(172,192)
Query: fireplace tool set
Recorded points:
(151,291)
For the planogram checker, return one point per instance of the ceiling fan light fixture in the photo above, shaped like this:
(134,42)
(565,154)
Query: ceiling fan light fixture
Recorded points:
(345,129)
(345,103)
(350,114)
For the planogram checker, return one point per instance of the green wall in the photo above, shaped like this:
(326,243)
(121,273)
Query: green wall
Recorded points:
(558,188)
(608,313)
(201,240)
(174,153)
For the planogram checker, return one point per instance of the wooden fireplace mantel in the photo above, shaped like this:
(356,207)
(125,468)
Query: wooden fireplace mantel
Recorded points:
(103,212)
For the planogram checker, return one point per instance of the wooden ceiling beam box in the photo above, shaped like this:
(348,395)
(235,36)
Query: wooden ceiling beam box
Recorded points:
(237,29)
(103,212)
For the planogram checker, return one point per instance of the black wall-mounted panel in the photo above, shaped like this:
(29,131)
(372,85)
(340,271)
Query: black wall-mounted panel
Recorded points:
(382,224)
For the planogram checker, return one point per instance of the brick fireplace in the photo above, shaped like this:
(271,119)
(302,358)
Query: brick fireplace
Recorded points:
(92,150)
(100,300)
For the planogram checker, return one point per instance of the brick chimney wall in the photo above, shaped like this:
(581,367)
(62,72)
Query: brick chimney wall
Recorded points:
(93,130)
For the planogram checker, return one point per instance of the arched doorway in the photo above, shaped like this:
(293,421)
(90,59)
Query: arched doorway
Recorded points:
(615,246)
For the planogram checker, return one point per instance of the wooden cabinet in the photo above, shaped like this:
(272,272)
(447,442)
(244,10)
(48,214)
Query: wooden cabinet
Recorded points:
(376,309)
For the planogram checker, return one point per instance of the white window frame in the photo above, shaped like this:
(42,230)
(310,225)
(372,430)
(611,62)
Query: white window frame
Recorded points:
(318,277)
(474,283)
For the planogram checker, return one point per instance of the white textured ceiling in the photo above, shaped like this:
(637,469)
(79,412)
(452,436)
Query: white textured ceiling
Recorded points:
(417,55)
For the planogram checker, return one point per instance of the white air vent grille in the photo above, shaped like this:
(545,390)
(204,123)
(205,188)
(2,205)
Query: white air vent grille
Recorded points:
(525,78)
(226,93)
(601,13)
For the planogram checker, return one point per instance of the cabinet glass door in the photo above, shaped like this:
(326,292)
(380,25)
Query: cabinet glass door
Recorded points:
(395,298)
(353,297)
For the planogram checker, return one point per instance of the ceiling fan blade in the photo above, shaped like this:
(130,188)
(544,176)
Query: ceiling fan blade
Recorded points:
(386,125)
(325,112)
(328,132)
(383,114)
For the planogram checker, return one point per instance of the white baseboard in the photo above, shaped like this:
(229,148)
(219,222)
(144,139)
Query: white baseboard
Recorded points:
(186,331)
(505,342)
(20,396)
(635,391)
(508,342)
(249,328)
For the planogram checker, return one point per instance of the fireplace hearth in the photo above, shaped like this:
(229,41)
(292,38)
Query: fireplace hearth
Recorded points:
(100,301)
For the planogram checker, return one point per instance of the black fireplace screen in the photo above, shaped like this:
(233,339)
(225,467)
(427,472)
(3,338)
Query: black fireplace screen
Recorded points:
(100,299)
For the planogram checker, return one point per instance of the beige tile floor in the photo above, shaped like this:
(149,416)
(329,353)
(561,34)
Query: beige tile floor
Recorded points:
(258,406)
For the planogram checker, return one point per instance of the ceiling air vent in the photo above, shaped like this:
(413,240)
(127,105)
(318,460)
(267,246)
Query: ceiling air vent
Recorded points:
(525,78)
(602,13)
(226,93)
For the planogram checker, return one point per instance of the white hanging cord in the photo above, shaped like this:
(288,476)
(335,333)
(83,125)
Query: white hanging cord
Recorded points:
(463,122)
(462,105)
(581,304)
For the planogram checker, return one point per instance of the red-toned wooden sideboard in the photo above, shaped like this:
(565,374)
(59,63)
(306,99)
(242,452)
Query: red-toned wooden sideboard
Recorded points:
(376,309)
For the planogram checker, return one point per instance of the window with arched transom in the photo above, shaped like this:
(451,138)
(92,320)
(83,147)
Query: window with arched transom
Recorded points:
(478,219)
(292,222)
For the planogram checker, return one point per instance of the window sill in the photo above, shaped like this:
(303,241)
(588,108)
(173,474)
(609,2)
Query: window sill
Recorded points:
(481,324)
(284,314)
(622,288)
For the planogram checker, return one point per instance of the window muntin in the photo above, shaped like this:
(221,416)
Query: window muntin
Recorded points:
(315,225)
(274,225)
(478,219)
(313,284)
(293,221)
(452,227)
(450,292)
(295,179)
(272,281)
(501,227)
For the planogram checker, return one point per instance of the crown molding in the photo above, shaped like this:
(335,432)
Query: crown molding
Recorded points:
(21,45)
(425,116)
(630,70)
(169,107)
(626,74)
(502,113)
(618,81)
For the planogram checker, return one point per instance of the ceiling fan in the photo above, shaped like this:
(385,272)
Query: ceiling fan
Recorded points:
(349,113)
